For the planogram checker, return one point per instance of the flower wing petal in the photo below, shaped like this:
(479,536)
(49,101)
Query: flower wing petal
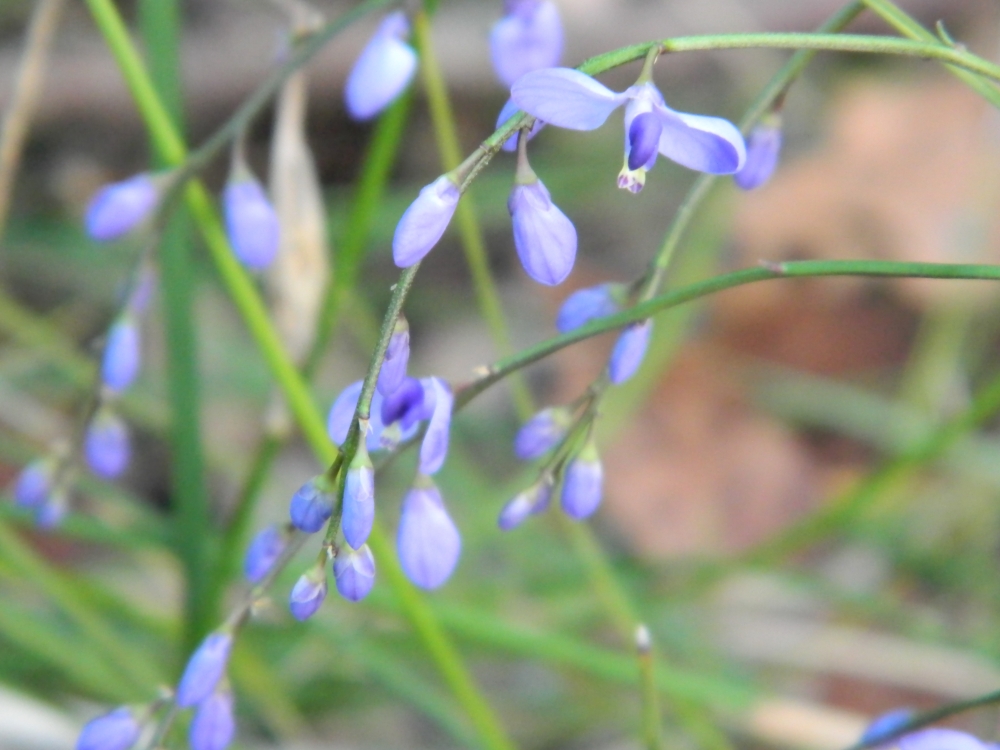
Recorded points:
(565,98)
(702,143)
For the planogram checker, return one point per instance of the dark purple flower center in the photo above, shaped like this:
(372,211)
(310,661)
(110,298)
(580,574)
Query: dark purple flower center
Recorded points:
(644,140)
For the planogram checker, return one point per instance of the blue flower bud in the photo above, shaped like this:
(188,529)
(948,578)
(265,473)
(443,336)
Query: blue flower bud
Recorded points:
(204,669)
(312,505)
(213,725)
(397,356)
(585,305)
(122,354)
(528,38)
(263,552)
(106,444)
(117,208)
(407,405)
(424,222)
(886,725)
(308,593)
(359,498)
(251,221)
(338,423)
(117,730)
(434,447)
(629,351)
(763,150)
(34,483)
(545,239)
(583,483)
(541,433)
(533,500)
(354,571)
(643,140)
(51,512)
(383,69)
(428,543)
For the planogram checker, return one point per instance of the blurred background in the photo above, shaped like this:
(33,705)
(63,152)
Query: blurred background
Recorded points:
(802,482)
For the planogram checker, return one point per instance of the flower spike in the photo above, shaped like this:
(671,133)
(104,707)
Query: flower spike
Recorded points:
(382,71)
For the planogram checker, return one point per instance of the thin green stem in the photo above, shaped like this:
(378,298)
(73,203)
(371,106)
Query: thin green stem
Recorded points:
(652,733)
(469,228)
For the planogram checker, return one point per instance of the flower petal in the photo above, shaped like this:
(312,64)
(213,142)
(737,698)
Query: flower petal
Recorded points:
(424,222)
(544,237)
(702,143)
(565,98)
(939,738)
(338,423)
(434,448)
(529,37)
(428,542)
(382,71)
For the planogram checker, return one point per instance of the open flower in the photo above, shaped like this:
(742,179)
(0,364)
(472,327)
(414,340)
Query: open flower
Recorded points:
(383,69)
(570,99)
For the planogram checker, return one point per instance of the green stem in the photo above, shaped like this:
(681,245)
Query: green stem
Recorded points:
(468,223)
(908,26)
(651,722)
(159,21)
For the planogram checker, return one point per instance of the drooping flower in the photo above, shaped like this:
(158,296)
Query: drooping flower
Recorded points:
(34,483)
(763,150)
(213,725)
(251,221)
(263,552)
(528,37)
(204,669)
(886,725)
(382,71)
(312,504)
(541,433)
(434,447)
(585,305)
(940,738)
(424,222)
(629,351)
(117,730)
(359,497)
(568,98)
(533,500)
(338,423)
(122,354)
(308,593)
(583,483)
(119,207)
(397,356)
(106,444)
(428,542)
(354,572)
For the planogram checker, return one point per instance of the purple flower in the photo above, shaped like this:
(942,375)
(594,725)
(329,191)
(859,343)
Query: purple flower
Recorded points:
(506,113)
(425,221)
(545,239)
(263,552)
(533,500)
(251,221)
(629,351)
(886,725)
(308,593)
(583,484)
(354,571)
(383,69)
(34,483)
(407,405)
(940,739)
(585,305)
(434,448)
(338,423)
(117,208)
(568,98)
(529,37)
(427,542)
(51,512)
(763,149)
(541,433)
(106,444)
(204,669)
(359,498)
(117,730)
(397,356)
(213,725)
(120,363)
(312,505)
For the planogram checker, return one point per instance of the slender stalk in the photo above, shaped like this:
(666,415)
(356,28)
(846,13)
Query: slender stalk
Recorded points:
(651,723)
(468,223)
(24,97)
